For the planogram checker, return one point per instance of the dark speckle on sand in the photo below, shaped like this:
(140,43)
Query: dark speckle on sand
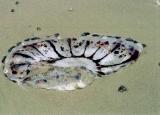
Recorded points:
(122,88)
(38,29)
(12,10)
(17,2)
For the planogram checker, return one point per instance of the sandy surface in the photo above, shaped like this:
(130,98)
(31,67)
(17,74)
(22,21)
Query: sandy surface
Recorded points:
(139,19)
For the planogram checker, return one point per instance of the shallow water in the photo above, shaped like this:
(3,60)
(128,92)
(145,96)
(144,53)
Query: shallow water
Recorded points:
(129,18)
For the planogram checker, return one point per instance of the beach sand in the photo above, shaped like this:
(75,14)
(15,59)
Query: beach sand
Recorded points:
(139,19)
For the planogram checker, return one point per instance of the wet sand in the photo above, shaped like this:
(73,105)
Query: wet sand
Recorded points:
(129,18)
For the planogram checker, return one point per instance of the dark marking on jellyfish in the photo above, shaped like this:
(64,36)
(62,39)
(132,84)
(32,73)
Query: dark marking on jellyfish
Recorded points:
(110,36)
(27,71)
(78,76)
(116,47)
(54,49)
(41,81)
(11,48)
(85,34)
(123,65)
(35,38)
(25,46)
(99,67)
(50,61)
(74,39)
(45,45)
(3,59)
(27,79)
(45,80)
(56,34)
(27,39)
(131,40)
(91,42)
(144,45)
(159,64)
(101,73)
(108,73)
(117,37)
(120,56)
(5,75)
(133,57)
(122,88)
(135,41)
(80,43)
(14,81)
(95,35)
(106,43)
(15,66)
(54,41)
(57,76)
(75,46)
(20,78)
(116,52)
(129,53)
(98,42)
(122,45)
(14,72)
(123,49)
(83,41)
(62,48)
(131,48)
(114,71)
(69,44)
(24,55)
(87,43)
(83,68)
(32,45)
(114,43)
(18,43)
(11,64)
(91,57)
